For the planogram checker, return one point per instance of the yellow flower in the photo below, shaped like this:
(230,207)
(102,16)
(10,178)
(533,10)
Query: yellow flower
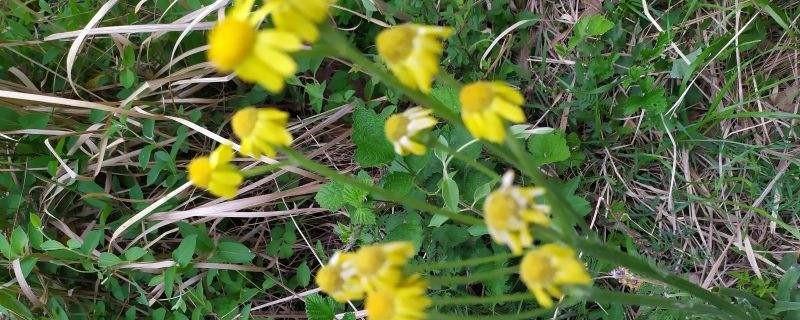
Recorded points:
(412,52)
(382,263)
(215,173)
(236,44)
(300,17)
(546,269)
(484,105)
(509,211)
(402,129)
(339,279)
(404,301)
(261,130)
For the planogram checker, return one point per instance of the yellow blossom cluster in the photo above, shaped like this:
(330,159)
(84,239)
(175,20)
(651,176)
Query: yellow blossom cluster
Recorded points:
(237,44)
(376,273)
(261,131)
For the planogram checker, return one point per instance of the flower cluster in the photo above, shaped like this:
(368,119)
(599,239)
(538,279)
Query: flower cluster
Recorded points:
(376,273)
(263,56)
(261,131)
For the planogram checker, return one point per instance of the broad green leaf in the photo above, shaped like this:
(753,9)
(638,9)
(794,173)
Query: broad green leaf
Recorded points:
(595,25)
(91,241)
(372,148)
(183,254)
(127,78)
(107,259)
(548,148)
(19,241)
(134,253)
(233,252)
(5,247)
(50,245)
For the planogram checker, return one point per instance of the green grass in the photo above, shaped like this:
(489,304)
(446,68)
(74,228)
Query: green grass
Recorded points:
(690,166)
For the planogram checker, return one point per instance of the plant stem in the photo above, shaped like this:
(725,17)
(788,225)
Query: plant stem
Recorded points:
(261,169)
(449,301)
(460,263)
(469,161)
(519,316)
(457,280)
(334,175)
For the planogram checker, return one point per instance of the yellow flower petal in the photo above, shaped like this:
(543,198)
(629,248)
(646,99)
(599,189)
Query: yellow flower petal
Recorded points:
(412,53)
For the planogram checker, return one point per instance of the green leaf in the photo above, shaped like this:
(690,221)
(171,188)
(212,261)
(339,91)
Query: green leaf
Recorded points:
(10,303)
(303,274)
(127,78)
(183,254)
(50,245)
(19,241)
(144,156)
(316,95)
(788,283)
(362,215)
(334,195)
(398,183)
(404,227)
(5,247)
(594,25)
(372,148)
(320,308)
(233,252)
(548,148)
(778,15)
(108,260)
(134,253)
(91,241)
(449,193)
(158,314)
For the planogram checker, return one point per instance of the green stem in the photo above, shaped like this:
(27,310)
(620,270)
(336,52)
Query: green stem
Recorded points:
(449,301)
(636,265)
(605,296)
(334,175)
(460,263)
(469,161)
(261,170)
(519,316)
(477,277)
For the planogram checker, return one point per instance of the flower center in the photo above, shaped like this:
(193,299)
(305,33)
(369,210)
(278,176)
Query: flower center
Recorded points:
(244,121)
(369,260)
(230,42)
(500,209)
(476,97)
(200,171)
(396,44)
(396,127)
(380,306)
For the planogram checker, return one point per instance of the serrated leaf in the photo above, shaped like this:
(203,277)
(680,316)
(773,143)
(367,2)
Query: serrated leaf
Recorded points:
(398,183)
(303,274)
(233,252)
(372,148)
(329,196)
(183,254)
(548,148)
(362,215)
(320,308)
